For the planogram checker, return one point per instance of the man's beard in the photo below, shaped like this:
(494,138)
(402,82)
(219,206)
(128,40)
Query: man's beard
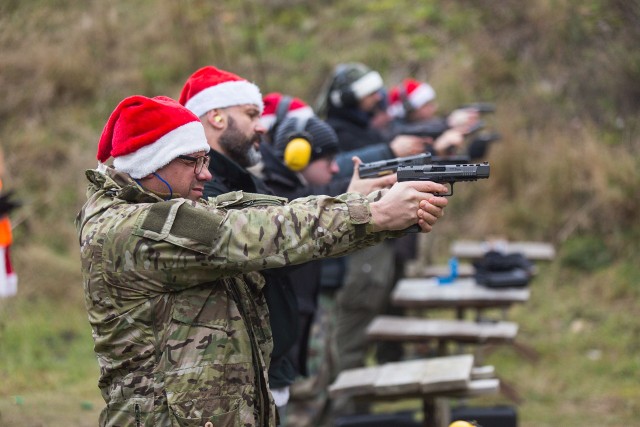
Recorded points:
(238,147)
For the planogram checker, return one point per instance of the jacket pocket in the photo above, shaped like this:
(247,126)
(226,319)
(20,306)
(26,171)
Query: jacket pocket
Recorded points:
(210,411)
(135,412)
(205,305)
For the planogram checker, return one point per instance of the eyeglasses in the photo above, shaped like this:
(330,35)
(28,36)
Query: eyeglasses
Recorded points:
(201,162)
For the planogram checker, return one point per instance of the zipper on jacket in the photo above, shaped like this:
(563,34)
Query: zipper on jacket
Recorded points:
(262,387)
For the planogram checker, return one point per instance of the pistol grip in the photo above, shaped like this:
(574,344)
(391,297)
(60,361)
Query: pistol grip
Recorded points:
(415,228)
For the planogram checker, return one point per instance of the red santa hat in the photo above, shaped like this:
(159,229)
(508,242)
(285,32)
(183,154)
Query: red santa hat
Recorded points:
(210,88)
(277,107)
(144,134)
(409,95)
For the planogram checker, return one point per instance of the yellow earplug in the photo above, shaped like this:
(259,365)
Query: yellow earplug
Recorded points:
(461,424)
(297,154)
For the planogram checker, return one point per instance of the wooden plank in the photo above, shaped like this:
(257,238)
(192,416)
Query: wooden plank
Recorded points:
(535,251)
(400,328)
(442,270)
(477,388)
(464,270)
(413,377)
(357,381)
(446,374)
(483,372)
(424,375)
(427,293)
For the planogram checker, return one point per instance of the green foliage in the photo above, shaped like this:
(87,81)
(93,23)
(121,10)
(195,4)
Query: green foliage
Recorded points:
(586,253)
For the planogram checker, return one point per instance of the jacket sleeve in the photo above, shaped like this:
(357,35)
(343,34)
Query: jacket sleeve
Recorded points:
(194,243)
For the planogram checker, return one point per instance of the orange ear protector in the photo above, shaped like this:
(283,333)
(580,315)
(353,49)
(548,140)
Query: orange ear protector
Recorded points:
(297,152)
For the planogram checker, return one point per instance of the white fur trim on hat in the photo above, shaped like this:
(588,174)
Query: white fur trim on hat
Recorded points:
(185,139)
(301,113)
(396,110)
(223,95)
(268,120)
(367,84)
(421,95)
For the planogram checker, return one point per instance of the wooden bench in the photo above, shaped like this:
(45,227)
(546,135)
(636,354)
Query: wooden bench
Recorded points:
(534,251)
(415,329)
(465,293)
(431,380)
(442,270)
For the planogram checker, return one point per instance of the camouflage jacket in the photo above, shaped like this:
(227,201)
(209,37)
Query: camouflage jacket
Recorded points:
(174,299)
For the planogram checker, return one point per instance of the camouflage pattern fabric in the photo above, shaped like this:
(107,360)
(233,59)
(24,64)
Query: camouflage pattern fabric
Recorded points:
(175,303)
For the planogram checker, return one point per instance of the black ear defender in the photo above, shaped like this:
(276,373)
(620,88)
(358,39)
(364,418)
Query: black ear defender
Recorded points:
(342,94)
(344,97)
(297,152)
(281,113)
(283,108)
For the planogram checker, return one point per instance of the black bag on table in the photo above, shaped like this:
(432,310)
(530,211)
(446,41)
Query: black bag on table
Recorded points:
(498,270)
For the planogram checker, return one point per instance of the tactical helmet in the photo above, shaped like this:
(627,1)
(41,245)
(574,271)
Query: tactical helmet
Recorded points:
(351,82)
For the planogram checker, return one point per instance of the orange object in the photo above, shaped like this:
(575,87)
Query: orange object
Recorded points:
(6,238)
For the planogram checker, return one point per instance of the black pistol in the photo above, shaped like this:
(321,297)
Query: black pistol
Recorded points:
(444,174)
(387,167)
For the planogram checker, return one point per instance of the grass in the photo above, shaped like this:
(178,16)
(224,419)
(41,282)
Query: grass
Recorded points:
(48,371)
(45,344)
(587,361)
(78,405)
(44,330)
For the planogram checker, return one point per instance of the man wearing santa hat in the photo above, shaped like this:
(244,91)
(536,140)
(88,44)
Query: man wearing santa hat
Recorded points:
(171,286)
(229,108)
(413,101)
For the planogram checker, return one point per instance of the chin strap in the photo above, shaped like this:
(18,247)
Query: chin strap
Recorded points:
(165,183)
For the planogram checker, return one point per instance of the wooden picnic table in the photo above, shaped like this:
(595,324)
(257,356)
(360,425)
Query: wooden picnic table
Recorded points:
(431,380)
(534,251)
(443,331)
(443,270)
(461,294)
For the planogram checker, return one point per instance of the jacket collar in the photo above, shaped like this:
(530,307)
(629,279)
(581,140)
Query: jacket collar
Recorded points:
(120,185)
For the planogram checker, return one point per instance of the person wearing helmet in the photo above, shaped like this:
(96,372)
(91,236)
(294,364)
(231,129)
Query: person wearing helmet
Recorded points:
(354,96)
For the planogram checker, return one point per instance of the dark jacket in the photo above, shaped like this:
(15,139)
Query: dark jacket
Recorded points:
(353,128)
(283,312)
(356,138)
(306,278)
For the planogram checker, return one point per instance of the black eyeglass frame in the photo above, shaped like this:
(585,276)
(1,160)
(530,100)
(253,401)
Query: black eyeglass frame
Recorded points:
(200,162)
